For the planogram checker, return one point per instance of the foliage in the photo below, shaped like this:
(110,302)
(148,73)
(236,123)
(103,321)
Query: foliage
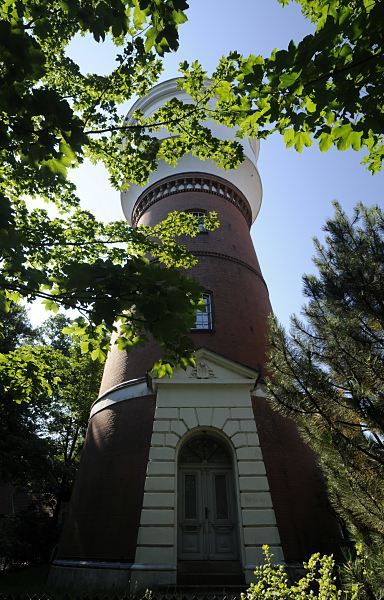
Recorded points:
(328,374)
(20,447)
(318,583)
(15,328)
(40,442)
(62,418)
(52,116)
(49,107)
(26,538)
(364,571)
(23,370)
(103,271)
(25,461)
(327,89)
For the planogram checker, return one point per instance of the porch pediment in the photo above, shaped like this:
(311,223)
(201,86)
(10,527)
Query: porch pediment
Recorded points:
(210,369)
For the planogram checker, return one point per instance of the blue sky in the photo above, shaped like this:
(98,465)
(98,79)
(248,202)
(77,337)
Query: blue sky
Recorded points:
(298,188)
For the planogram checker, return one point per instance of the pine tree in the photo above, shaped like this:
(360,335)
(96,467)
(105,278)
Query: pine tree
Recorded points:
(328,374)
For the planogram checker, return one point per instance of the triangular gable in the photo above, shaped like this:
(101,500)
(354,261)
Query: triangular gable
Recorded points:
(210,368)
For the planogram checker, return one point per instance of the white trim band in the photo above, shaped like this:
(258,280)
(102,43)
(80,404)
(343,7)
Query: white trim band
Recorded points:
(93,564)
(136,388)
(152,567)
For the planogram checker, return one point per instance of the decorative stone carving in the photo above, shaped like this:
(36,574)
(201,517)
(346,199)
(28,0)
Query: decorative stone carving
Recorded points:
(202,371)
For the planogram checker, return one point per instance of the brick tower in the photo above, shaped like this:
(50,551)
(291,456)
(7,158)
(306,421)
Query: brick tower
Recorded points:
(183,480)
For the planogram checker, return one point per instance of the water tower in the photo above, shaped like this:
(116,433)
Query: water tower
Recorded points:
(183,480)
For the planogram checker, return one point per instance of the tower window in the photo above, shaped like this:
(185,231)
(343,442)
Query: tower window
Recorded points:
(204,318)
(199,214)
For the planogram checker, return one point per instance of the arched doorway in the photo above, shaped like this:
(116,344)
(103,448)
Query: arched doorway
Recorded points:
(207,513)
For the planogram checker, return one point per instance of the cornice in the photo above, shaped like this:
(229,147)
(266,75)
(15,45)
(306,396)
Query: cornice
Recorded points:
(191,182)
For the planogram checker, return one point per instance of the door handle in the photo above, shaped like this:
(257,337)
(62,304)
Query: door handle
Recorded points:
(206,512)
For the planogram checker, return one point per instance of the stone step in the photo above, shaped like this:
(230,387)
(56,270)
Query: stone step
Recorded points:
(199,592)
(210,573)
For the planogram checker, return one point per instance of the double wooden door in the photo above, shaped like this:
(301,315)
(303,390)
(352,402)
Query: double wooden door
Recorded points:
(207,515)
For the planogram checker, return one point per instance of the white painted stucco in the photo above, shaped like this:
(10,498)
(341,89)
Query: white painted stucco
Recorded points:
(245,177)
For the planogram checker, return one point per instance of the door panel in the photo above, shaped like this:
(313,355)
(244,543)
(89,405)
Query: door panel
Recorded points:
(222,531)
(191,522)
(190,496)
(223,543)
(191,540)
(221,504)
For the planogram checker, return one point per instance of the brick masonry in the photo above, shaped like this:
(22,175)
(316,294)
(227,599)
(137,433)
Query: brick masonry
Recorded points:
(125,490)
(240,296)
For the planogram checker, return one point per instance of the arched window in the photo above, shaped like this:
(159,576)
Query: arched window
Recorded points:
(204,449)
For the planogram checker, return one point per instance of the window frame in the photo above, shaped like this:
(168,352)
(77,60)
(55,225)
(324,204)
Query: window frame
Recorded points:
(208,313)
(199,212)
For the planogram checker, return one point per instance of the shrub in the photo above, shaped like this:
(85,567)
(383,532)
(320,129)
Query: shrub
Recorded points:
(26,538)
(318,583)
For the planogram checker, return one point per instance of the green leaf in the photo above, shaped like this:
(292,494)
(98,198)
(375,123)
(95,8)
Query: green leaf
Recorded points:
(56,166)
(302,138)
(356,140)
(223,91)
(179,17)
(84,347)
(342,135)
(310,105)
(98,354)
(288,79)
(368,5)
(325,142)
(66,149)
(139,16)
(50,305)
(289,137)
(252,62)
(15,297)
(68,330)
(250,125)
(150,39)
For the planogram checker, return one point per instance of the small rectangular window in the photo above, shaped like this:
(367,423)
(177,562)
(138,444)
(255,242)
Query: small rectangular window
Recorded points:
(200,214)
(204,318)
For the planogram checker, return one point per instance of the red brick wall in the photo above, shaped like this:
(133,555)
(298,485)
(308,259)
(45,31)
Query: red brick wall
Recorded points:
(104,515)
(240,296)
(107,499)
(304,517)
